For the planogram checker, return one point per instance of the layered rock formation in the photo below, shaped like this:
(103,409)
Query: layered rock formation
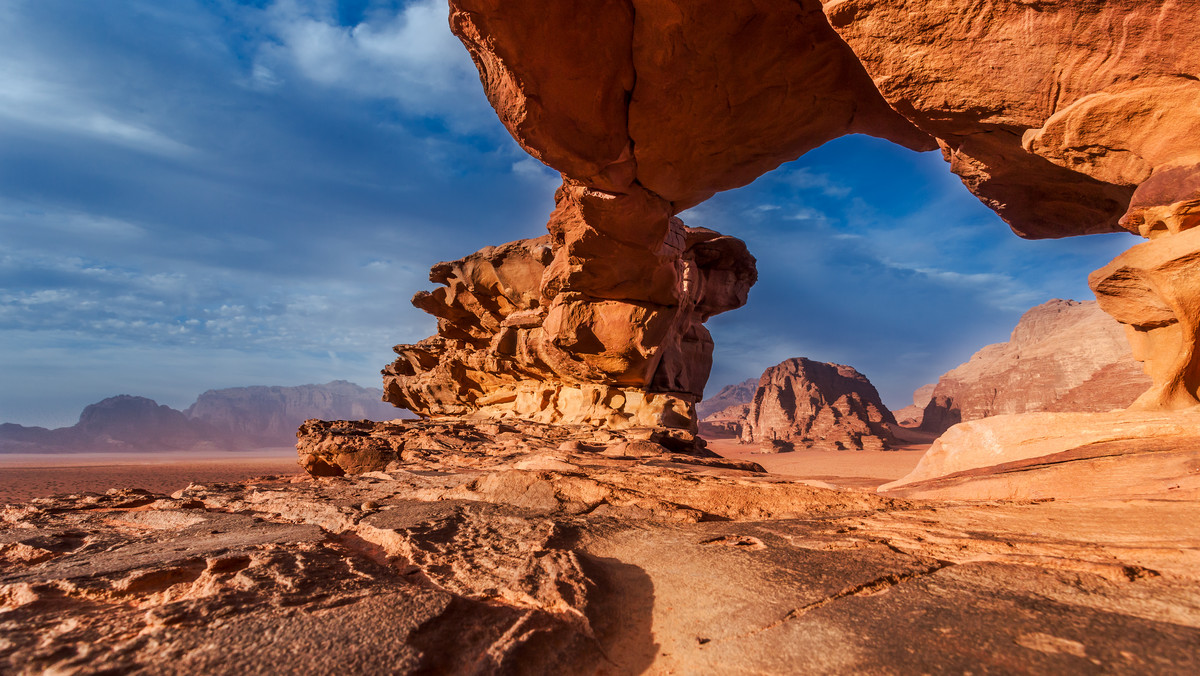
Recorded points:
(1060,455)
(1052,114)
(1153,289)
(801,402)
(577,327)
(1063,355)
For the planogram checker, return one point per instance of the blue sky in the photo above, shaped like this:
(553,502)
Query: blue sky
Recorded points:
(208,193)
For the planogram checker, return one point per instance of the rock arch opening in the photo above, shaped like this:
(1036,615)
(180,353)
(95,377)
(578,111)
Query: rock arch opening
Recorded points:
(649,107)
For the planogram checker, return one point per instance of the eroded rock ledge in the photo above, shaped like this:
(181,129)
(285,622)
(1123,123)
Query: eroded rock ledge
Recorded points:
(577,327)
(596,570)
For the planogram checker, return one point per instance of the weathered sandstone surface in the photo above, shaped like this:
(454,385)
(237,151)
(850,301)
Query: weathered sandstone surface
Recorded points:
(1064,355)
(1132,454)
(1153,289)
(475,556)
(567,329)
(801,402)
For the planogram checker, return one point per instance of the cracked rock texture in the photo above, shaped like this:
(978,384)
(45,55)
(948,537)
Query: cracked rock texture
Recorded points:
(1063,355)
(577,562)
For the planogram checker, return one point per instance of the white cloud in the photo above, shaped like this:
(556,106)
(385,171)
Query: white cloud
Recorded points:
(409,57)
(537,173)
(806,179)
(1000,290)
(66,108)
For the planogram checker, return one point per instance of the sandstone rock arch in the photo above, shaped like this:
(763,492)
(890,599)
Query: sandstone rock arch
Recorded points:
(1066,118)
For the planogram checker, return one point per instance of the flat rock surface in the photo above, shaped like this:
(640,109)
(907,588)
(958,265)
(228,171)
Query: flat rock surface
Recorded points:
(586,563)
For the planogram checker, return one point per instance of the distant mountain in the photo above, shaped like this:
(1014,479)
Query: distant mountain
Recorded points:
(811,404)
(120,423)
(230,419)
(730,395)
(270,415)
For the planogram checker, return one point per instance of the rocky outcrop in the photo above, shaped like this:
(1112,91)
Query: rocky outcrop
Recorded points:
(269,416)
(810,404)
(730,395)
(339,448)
(1153,289)
(1054,115)
(1063,355)
(911,416)
(576,327)
(571,561)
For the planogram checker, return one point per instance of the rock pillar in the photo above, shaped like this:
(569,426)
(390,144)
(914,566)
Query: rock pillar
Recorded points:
(1153,289)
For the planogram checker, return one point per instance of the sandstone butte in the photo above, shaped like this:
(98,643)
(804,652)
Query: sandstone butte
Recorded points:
(801,403)
(1064,355)
(555,512)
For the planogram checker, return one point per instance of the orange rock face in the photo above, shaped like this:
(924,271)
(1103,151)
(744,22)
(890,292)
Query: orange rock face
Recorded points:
(1052,113)
(539,330)
(1154,290)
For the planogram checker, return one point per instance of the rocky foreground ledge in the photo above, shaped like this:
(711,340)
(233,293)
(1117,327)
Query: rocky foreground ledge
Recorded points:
(564,556)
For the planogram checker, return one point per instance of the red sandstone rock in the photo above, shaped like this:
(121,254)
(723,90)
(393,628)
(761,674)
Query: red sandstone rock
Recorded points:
(1051,113)
(1153,289)
(555,330)
(812,404)
(1052,362)
(911,416)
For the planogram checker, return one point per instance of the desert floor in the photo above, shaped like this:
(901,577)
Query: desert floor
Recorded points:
(854,470)
(28,475)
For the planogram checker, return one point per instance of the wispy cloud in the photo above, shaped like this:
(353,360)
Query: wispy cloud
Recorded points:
(65,107)
(409,57)
(805,178)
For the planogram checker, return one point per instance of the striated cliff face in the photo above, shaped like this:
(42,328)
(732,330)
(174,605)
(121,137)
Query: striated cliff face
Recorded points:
(1064,355)
(801,402)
